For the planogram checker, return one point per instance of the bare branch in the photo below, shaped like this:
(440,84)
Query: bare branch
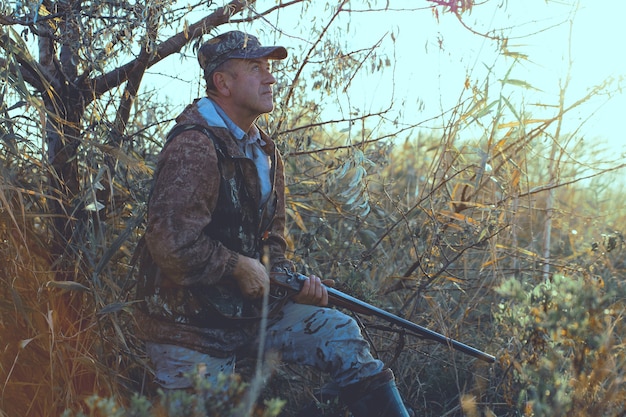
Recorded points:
(171,46)
(32,73)
(307,57)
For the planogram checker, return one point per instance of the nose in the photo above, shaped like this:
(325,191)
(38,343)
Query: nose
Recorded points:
(269,77)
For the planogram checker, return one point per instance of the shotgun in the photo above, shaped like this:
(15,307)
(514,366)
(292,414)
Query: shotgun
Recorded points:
(291,282)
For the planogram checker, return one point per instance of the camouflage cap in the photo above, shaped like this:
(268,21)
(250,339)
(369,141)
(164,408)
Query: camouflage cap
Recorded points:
(235,44)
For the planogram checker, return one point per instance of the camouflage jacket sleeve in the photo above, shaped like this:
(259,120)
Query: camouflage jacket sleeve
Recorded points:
(184,196)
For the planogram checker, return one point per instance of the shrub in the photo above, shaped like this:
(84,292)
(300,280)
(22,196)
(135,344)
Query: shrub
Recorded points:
(563,352)
(227,398)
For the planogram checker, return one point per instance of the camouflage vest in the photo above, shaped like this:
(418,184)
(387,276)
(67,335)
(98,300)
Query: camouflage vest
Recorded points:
(238,223)
(237,219)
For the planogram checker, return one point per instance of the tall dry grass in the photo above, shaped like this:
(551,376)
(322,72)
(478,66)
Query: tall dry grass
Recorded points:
(62,340)
(49,332)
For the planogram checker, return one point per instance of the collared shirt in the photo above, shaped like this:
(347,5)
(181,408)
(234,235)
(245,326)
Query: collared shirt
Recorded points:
(251,141)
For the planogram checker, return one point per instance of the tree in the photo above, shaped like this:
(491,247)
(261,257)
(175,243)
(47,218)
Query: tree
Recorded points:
(76,43)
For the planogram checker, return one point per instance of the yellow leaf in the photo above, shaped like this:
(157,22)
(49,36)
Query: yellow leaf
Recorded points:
(452,279)
(519,250)
(515,178)
(517,123)
(499,145)
(458,216)
(491,262)
(295,215)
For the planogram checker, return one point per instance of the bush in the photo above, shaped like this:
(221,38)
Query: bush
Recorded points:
(563,355)
(229,397)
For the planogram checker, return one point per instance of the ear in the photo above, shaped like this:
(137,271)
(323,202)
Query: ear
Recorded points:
(222,83)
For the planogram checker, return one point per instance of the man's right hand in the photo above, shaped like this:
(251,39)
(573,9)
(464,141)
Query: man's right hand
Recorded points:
(251,277)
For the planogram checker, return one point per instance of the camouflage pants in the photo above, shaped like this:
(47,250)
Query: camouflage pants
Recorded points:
(307,335)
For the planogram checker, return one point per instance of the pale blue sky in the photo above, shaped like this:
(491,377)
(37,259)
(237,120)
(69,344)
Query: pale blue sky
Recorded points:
(435,77)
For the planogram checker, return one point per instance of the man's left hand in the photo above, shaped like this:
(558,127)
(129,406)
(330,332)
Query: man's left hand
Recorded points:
(313,292)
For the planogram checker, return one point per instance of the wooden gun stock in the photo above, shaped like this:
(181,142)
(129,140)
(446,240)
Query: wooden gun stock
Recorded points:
(293,281)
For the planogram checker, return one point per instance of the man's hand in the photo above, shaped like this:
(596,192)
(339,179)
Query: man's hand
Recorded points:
(313,292)
(251,277)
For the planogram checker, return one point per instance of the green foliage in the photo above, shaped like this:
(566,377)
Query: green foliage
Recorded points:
(225,399)
(563,345)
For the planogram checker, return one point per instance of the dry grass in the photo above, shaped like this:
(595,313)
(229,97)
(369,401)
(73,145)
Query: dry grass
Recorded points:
(432,248)
(48,360)
(56,350)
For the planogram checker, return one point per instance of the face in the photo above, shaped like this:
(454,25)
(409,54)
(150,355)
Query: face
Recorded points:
(248,89)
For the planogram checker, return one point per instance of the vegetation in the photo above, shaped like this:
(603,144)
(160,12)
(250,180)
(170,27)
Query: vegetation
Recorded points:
(510,240)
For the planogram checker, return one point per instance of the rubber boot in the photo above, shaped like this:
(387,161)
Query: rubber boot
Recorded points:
(377,396)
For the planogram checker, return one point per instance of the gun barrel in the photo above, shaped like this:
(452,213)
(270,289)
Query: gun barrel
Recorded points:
(409,325)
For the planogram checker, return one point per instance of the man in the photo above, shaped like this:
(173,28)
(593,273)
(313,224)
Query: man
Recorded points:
(215,213)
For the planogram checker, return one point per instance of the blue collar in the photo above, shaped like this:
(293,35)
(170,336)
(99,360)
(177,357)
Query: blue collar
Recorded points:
(215,116)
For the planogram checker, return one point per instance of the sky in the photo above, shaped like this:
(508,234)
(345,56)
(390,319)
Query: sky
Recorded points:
(594,50)
(433,57)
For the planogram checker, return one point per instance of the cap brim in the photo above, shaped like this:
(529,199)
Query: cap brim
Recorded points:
(270,52)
